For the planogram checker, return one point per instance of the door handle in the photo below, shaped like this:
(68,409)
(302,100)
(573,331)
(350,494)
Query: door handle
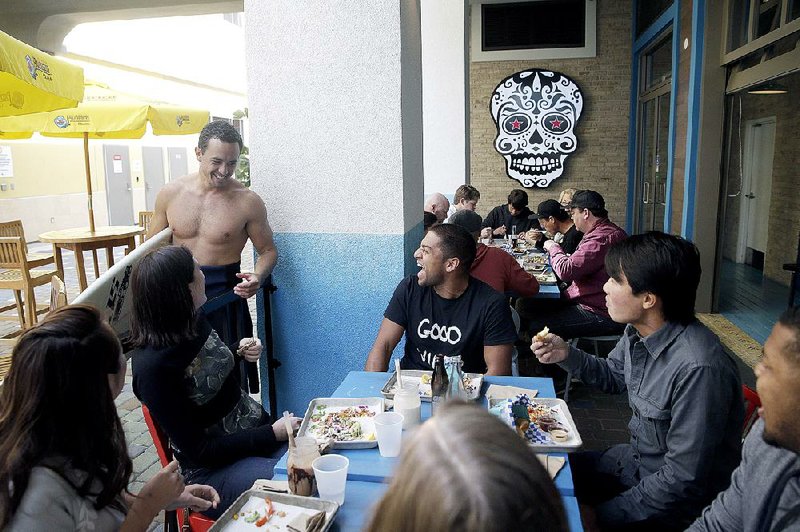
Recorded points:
(646,193)
(750,196)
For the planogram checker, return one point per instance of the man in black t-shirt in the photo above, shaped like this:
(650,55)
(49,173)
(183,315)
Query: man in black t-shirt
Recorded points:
(504,219)
(442,310)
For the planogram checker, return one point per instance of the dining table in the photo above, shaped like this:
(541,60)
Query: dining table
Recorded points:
(82,239)
(369,473)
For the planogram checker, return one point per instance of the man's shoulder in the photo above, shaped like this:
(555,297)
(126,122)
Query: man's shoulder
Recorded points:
(699,346)
(483,293)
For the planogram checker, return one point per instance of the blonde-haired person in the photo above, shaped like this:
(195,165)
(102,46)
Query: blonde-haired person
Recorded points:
(466,470)
(566,196)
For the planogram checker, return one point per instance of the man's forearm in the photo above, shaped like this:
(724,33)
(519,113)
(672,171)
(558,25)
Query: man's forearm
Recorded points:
(377,360)
(265,264)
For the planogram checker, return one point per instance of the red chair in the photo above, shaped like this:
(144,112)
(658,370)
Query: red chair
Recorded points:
(751,405)
(197,522)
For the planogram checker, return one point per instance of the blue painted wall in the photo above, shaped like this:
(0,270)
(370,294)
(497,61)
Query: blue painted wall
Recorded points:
(332,291)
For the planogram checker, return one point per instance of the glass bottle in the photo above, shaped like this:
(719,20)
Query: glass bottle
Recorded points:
(439,384)
(455,378)
(298,466)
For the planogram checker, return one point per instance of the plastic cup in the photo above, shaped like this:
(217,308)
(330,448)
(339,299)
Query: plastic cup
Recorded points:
(331,474)
(389,428)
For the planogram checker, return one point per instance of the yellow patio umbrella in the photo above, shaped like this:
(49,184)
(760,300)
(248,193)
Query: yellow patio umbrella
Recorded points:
(105,114)
(33,81)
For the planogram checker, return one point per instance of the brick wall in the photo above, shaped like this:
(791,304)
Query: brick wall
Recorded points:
(784,210)
(601,159)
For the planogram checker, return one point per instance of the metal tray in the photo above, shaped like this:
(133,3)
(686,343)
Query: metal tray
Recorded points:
(312,503)
(574,441)
(414,375)
(375,403)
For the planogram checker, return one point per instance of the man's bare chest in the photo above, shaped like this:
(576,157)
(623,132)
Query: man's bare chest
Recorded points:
(213,218)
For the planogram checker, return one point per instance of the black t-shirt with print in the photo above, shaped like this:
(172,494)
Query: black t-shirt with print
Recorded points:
(462,326)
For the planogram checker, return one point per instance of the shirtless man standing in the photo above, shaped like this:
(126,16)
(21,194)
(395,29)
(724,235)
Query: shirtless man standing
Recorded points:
(213,215)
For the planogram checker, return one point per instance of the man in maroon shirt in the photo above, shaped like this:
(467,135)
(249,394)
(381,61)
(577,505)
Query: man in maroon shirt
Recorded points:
(581,310)
(494,266)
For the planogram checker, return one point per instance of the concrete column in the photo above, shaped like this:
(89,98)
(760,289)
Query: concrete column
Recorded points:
(445,94)
(336,153)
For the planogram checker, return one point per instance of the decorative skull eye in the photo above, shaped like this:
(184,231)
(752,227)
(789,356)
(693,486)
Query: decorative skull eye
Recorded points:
(516,123)
(556,123)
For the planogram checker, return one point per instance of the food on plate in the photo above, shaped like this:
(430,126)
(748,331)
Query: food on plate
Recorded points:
(559,435)
(545,277)
(541,336)
(538,423)
(263,513)
(339,423)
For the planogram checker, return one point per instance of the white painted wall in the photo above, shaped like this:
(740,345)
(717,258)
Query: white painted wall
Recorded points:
(444,95)
(328,115)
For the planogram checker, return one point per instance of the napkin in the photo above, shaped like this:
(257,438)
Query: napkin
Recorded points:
(280,486)
(498,391)
(553,464)
(307,523)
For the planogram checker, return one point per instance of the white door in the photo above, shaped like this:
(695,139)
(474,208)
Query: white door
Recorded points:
(153,159)
(757,156)
(119,193)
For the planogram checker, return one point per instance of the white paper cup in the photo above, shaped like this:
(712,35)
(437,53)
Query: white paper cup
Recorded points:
(389,428)
(331,474)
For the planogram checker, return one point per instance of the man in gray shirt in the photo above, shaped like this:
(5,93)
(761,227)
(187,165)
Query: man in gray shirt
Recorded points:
(683,389)
(765,489)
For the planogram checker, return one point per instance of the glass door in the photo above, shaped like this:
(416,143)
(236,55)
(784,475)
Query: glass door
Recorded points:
(652,154)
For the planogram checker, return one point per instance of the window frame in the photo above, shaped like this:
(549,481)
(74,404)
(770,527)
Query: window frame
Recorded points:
(785,28)
(477,54)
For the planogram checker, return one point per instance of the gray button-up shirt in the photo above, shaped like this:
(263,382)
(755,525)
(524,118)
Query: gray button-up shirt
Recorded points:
(686,397)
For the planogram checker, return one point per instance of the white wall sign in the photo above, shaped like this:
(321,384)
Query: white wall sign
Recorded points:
(535,112)
(6,162)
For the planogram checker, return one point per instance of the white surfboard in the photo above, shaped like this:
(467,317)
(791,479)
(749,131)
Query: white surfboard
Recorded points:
(111,291)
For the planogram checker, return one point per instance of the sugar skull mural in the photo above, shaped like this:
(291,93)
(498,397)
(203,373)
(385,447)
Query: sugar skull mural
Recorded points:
(535,112)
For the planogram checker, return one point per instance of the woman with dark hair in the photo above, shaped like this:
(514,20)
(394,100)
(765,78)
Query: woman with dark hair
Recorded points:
(464,469)
(185,375)
(64,462)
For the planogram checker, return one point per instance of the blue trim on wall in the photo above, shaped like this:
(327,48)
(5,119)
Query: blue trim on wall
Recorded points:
(632,132)
(692,133)
(669,16)
(655,28)
(332,292)
(673,102)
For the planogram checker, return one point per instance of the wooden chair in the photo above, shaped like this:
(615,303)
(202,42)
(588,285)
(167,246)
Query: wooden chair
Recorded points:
(58,299)
(197,522)
(145,217)
(35,260)
(17,274)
